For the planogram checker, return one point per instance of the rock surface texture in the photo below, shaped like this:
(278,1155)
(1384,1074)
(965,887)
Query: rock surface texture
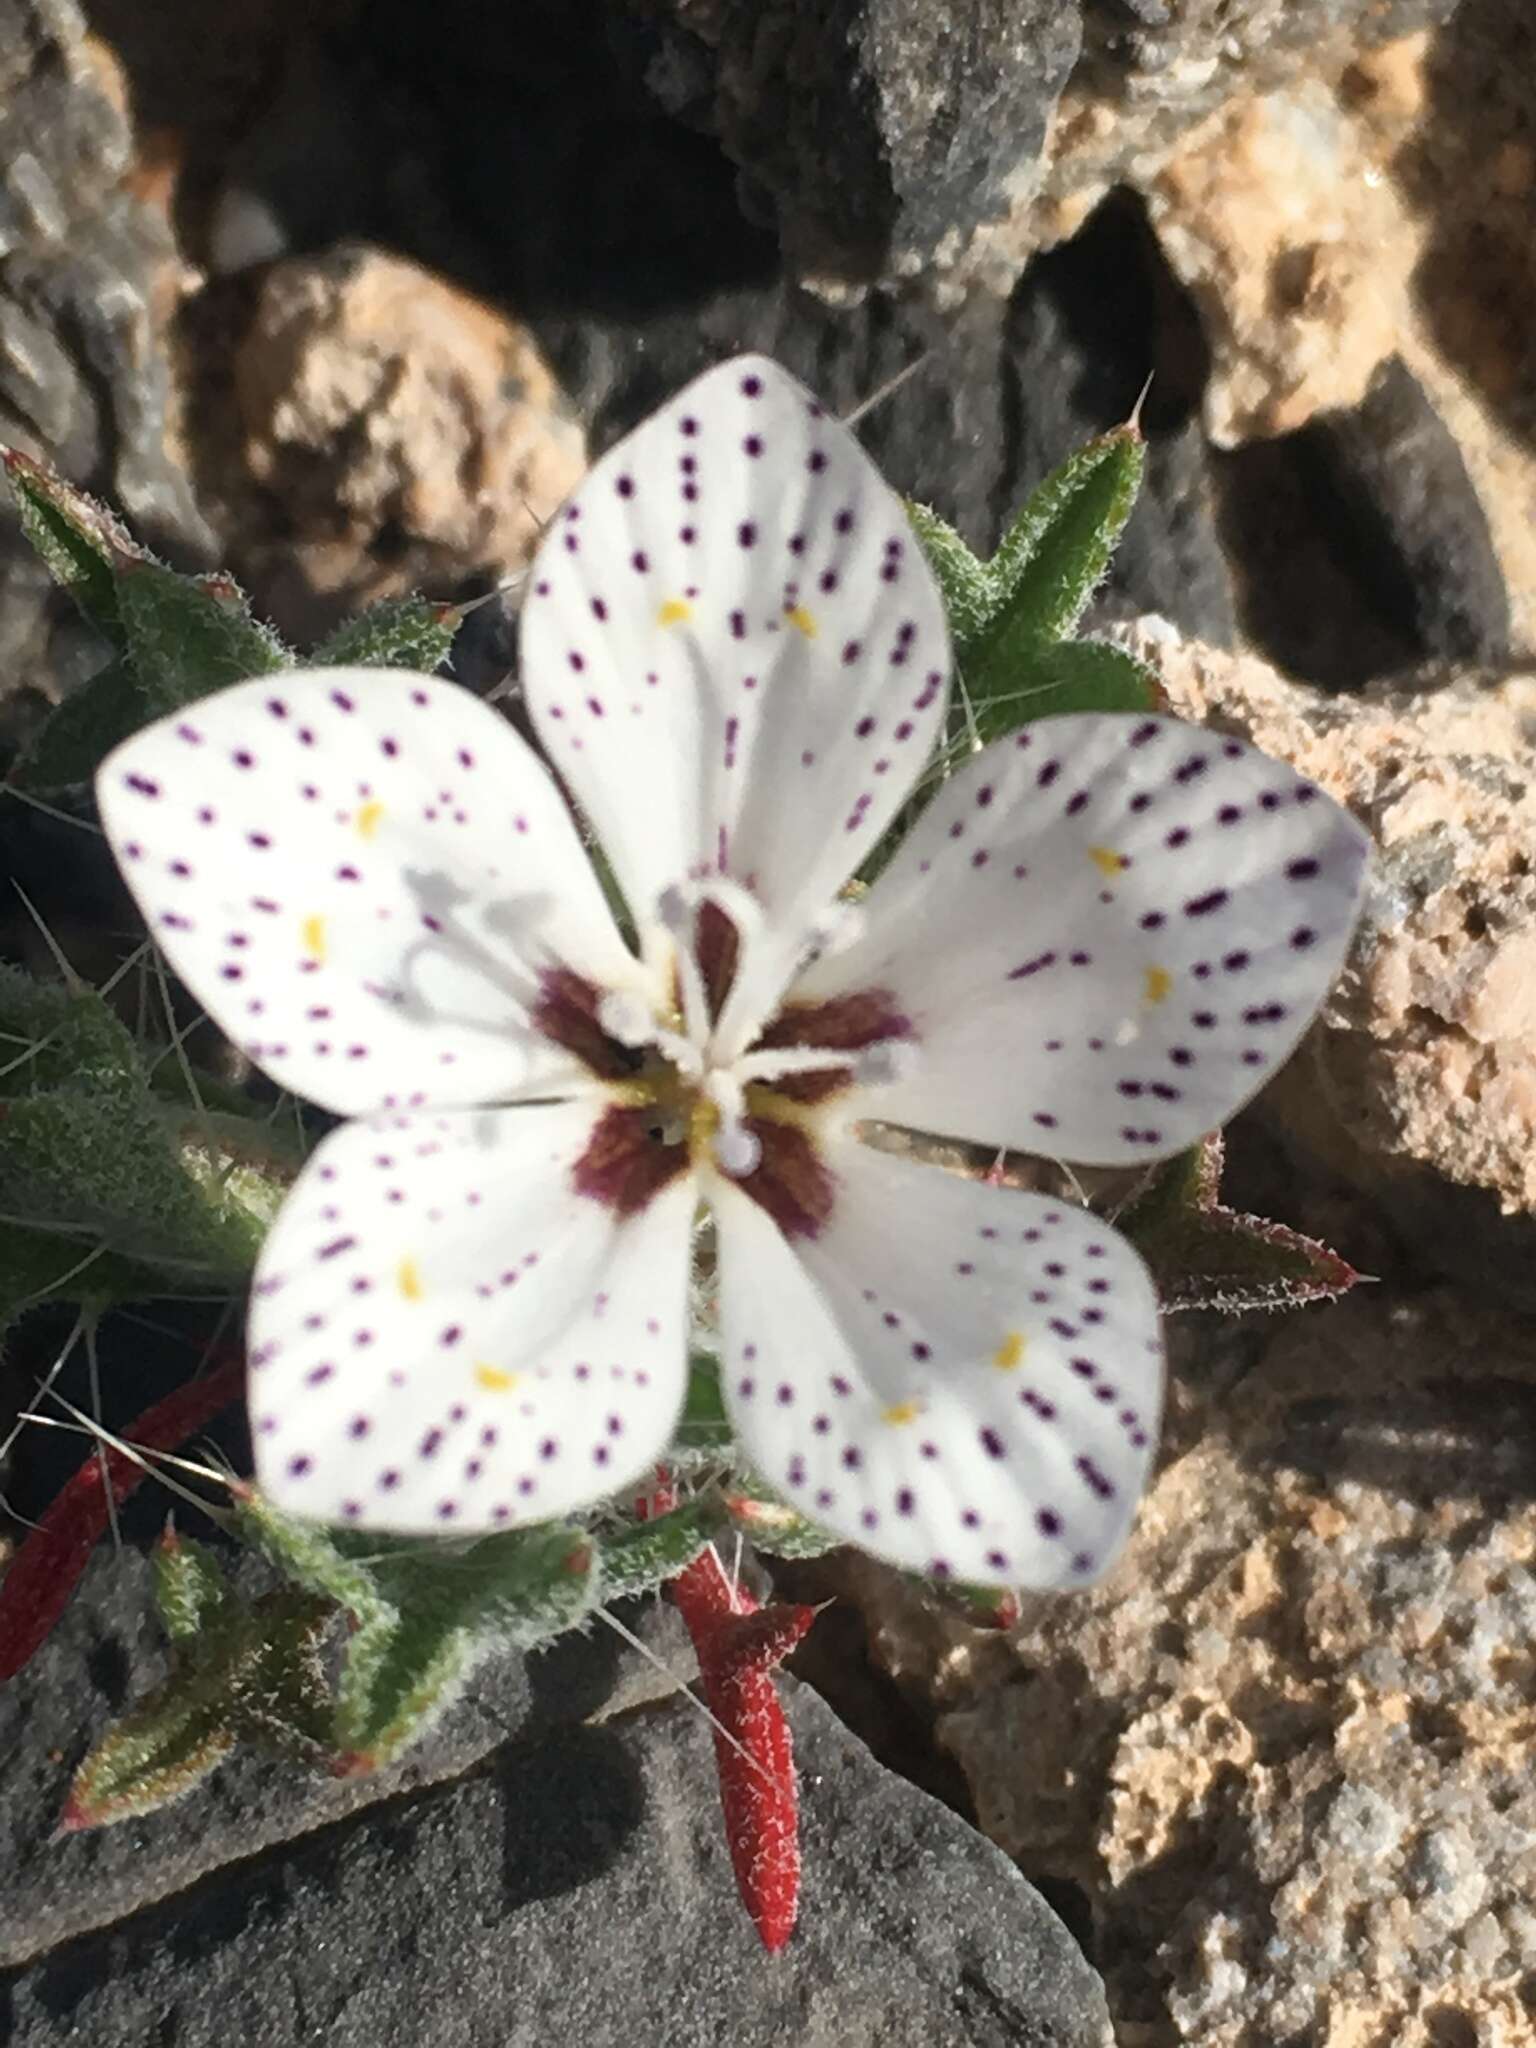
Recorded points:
(87,279)
(550,1867)
(373,431)
(878,136)
(897,134)
(1282,1748)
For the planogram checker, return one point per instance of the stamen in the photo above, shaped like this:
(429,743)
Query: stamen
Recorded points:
(874,1066)
(893,1059)
(738,1151)
(675,909)
(839,927)
(627,1018)
(791,1059)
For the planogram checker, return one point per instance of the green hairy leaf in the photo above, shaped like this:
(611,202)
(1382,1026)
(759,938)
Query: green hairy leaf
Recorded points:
(91,1160)
(704,1432)
(424,1612)
(1011,620)
(968,588)
(642,1557)
(191,1590)
(1052,557)
(80,732)
(189,635)
(81,542)
(405,632)
(1204,1255)
(252,1673)
(1071,675)
(451,1608)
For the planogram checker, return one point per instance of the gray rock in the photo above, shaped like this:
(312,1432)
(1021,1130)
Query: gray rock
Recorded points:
(878,134)
(83,379)
(108,1650)
(1009,390)
(554,1870)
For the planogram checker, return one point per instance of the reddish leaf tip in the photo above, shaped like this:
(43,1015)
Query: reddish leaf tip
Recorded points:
(76,1817)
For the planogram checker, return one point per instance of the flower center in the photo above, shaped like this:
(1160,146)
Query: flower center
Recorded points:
(709,1095)
(729,1072)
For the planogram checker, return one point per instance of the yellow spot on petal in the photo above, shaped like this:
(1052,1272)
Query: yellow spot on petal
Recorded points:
(675,612)
(494,1380)
(1158,983)
(904,1411)
(314,937)
(368,818)
(1010,1352)
(1106,860)
(409,1279)
(799,617)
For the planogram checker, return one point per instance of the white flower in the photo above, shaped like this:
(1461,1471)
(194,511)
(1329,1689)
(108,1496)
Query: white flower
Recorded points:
(1099,939)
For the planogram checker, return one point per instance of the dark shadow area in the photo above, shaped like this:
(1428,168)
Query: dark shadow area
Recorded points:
(569,1805)
(1088,325)
(837,1660)
(144,1353)
(577,194)
(1360,545)
(1442,1439)
(1471,170)
(1301,601)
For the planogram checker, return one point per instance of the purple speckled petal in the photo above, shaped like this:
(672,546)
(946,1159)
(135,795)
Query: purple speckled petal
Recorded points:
(963,1379)
(364,877)
(733,647)
(1108,932)
(444,1334)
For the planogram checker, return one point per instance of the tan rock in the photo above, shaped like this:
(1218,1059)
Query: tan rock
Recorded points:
(1298,251)
(1358,205)
(384,430)
(1283,1750)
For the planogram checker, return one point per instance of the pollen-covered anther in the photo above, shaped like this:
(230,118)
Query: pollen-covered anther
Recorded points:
(882,1065)
(840,927)
(738,1151)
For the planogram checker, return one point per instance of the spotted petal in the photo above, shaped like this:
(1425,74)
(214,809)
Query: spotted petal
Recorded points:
(445,1335)
(367,879)
(733,648)
(1107,933)
(960,1378)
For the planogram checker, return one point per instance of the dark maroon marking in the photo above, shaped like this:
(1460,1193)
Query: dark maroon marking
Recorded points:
(567,1013)
(850,1023)
(625,1162)
(790,1181)
(717,948)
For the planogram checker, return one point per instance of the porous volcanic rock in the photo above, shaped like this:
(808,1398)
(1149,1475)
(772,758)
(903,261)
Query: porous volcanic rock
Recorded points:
(372,429)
